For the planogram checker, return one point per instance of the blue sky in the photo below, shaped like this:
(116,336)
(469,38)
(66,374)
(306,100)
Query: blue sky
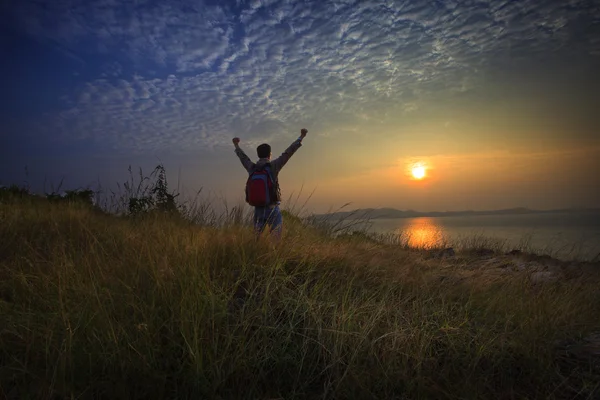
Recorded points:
(496,97)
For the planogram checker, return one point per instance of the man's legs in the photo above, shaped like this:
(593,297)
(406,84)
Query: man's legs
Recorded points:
(276,222)
(264,216)
(260,220)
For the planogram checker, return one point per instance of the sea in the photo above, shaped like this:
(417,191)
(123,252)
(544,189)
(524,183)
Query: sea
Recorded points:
(565,235)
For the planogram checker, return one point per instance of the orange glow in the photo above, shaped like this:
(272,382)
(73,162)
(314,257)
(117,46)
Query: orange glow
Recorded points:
(418,172)
(424,233)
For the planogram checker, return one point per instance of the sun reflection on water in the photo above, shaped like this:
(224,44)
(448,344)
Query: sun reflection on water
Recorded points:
(423,233)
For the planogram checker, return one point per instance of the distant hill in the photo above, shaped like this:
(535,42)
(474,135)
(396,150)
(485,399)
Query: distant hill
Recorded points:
(376,213)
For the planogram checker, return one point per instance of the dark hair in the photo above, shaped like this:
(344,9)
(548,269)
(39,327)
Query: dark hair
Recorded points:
(263,151)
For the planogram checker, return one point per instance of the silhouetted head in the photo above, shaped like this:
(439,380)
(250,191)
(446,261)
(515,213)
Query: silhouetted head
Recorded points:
(264,151)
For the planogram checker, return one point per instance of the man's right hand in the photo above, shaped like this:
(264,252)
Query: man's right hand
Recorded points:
(303,133)
(236,141)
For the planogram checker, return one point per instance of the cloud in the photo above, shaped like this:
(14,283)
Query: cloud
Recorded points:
(111,69)
(208,72)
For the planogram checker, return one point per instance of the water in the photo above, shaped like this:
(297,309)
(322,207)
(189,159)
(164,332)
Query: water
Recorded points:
(562,235)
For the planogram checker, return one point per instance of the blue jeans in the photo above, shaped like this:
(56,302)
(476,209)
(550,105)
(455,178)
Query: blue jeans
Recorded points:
(264,216)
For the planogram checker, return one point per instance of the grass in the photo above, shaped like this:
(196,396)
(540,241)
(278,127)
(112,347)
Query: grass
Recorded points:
(98,306)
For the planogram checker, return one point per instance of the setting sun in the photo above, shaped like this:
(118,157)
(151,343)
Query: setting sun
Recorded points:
(418,171)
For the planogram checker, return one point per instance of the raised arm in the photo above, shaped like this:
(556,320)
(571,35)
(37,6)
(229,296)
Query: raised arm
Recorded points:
(280,161)
(246,162)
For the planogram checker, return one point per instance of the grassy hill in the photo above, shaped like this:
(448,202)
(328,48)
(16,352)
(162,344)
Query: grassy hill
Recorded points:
(98,306)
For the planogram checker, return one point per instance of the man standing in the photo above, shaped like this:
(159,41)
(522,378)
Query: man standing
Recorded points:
(269,214)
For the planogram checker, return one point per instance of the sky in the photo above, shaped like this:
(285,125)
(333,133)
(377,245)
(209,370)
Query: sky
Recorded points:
(497,100)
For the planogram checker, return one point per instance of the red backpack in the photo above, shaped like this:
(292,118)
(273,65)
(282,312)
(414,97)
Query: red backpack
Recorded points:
(261,188)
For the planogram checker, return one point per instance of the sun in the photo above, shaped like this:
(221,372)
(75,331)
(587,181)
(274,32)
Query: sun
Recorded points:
(418,171)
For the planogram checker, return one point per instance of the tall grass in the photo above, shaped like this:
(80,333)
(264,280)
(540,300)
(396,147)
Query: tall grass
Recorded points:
(154,306)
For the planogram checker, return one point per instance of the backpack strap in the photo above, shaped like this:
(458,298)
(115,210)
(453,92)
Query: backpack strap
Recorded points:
(264,167)
(268,168)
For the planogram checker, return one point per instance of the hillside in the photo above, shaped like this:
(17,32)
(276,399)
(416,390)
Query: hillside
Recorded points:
(95,306)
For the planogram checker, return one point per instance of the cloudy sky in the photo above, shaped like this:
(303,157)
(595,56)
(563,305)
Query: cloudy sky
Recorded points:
(497,99)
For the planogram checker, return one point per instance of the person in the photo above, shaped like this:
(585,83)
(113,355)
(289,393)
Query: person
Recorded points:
(269,215)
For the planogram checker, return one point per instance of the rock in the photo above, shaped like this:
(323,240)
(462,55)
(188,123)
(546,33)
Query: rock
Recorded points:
(492,262)
(543,259)
(521,266)
(484,252)
(448,252)
(514,252)
(433,253)
(532,267)
(543,277)
(497,262)
(572,270)
(556,269)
